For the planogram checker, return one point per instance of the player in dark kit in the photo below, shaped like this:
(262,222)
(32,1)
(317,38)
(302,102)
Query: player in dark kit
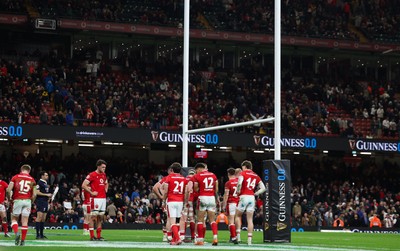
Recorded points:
(42,203)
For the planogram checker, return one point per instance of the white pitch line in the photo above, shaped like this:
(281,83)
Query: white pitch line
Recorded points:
(157,245)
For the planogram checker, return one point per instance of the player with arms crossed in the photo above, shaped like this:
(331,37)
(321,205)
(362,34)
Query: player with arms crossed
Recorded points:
(206,184)
(230,201)
(22,190)
(97,185)
(42,203)
(3,210)
(175,185)
(247,183)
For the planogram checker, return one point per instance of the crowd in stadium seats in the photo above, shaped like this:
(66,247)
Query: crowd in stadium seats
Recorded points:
(16,6)
(310,18)
(376,20)
(382,22)
(324,192)
(327,19)
(146,96)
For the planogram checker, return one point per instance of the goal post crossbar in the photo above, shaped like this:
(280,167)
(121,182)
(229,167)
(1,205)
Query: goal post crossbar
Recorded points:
(246,123)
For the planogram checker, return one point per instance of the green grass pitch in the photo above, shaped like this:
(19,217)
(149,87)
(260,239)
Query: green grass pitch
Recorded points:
(60,240)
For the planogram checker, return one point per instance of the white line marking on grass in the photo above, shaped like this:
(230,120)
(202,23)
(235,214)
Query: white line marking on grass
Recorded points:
(157,245)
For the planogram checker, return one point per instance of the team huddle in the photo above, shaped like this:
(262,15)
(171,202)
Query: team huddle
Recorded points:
(190,200)
(196,197)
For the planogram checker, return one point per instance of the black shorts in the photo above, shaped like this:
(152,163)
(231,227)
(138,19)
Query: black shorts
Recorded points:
(42,206)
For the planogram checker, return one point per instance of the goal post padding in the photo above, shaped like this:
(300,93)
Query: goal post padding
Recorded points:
(277,207)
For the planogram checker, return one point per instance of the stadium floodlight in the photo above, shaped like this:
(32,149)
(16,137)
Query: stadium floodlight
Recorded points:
(85,141)
(54,141)
(86,145)
(109,143)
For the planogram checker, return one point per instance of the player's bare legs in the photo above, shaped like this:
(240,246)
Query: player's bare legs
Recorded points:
(86,223)
(92,222)
(238,224)
(182,226)
(20,238)
(99,221)
(214,226)
(250,227)
(232,227)
(3,215)
(200,227)
(14,226)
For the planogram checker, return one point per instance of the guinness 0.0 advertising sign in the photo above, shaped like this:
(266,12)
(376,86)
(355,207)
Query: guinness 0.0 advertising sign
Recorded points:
(220,138)
(277,208)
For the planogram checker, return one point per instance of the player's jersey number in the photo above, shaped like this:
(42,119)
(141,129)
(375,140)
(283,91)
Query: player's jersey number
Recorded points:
(208,183)
(24,186)
(178,187)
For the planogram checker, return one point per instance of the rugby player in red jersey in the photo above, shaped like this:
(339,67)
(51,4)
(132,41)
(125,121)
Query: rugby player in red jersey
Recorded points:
(86,206)
(3,210)
(206,184)
(97,185)
(230,201)
(22,191)
(158,190)
(175,185)
(248,182)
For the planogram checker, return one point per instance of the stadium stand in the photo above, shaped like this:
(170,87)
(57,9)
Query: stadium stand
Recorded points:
(62,92)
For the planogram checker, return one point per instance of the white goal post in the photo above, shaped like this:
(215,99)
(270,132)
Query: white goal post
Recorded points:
(277,87)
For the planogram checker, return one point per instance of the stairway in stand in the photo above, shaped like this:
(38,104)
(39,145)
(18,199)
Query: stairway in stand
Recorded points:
(352,28)
(32,11)
(203,20)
